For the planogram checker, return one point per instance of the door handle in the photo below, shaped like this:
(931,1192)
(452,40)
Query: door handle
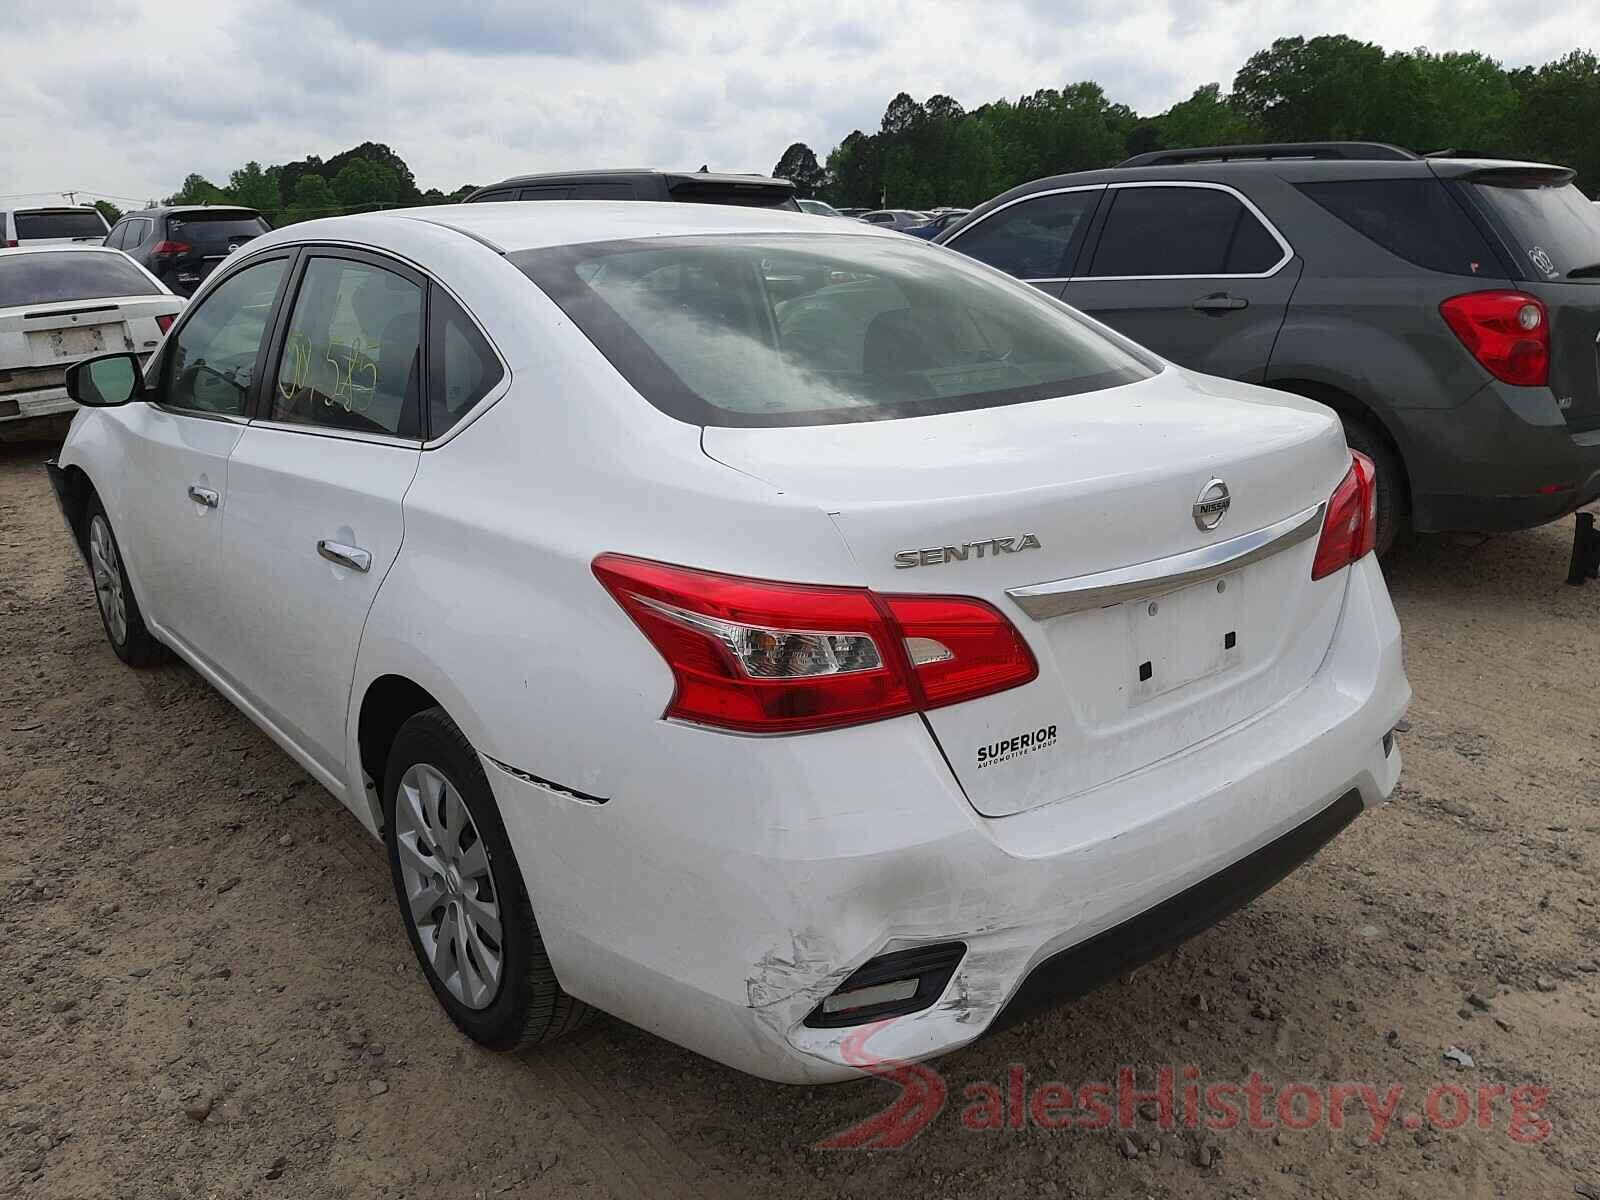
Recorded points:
(204,495)
(1220,302)
(353,557)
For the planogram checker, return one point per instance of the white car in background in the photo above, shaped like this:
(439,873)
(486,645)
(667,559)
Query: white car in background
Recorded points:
(62,303)
(881,659)
(53,225)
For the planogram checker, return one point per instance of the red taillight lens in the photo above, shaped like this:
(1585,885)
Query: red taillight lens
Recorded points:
(1508,332)
(168,249)
(11,243)
(765,657)
(164,321)
(1350,528)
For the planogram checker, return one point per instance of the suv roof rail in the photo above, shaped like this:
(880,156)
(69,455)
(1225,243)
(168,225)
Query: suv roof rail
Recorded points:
(1263,150)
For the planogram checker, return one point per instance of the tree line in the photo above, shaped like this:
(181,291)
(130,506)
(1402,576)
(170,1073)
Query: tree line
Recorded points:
(936,152)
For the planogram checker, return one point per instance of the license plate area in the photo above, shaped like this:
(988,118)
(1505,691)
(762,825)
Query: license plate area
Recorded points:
(1182,636)
(69,343)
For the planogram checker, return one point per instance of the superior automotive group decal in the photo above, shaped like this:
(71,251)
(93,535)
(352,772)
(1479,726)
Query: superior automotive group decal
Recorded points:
(1016,747)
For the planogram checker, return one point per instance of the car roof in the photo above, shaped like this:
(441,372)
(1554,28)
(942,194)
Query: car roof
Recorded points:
(33,208)
(167,210)
(637,173)
(512,225)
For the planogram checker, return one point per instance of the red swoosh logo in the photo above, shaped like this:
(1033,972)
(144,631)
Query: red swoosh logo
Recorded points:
(921,1098)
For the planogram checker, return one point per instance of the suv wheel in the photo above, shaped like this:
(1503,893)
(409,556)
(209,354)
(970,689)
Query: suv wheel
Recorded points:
(461,894)
(1391,478)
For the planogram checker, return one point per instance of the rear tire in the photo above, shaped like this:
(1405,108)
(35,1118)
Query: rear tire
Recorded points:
(124,624)
(461,894)
(1392,516)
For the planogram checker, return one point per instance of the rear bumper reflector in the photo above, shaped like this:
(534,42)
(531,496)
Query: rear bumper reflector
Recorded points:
(890,985)
(1079,969)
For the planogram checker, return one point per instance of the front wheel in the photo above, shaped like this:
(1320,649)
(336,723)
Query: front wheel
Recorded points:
(461,895)
(124,624)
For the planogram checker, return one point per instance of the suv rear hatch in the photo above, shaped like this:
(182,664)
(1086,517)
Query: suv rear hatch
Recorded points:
(1553,234)
(210,235)
(990,502)
(755,191)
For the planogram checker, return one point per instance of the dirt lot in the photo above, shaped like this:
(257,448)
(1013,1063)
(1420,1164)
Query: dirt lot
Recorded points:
(205,990)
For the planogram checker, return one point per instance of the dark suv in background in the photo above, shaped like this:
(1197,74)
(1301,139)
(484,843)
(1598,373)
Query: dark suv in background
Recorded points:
(181,245)
(1447,308)
(694,187)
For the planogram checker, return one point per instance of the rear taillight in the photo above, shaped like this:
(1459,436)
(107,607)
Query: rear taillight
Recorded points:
(168,249)
(11,243)
(1350,528)
(766,657)
(164,321)
(1508,332)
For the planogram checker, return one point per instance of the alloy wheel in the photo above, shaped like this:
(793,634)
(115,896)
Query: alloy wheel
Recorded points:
(449,891)
(107,571)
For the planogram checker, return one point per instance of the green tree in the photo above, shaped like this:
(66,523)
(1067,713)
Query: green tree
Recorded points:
(255,188)
(109,211)
(799,165)
(1299,90)
(312,198)
(1207,118)
(1559,114)
(197,189)
(853,173)
(363,184)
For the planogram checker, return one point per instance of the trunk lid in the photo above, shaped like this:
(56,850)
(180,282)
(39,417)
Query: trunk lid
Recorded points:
(994,501)
(38,342)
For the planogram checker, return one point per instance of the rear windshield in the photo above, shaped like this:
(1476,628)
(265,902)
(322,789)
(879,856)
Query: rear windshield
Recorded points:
(785,330)
(44,278)
(1556,229)
(216,227)
(60,225)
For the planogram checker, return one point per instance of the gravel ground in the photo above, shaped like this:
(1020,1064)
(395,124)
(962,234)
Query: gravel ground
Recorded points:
(205,990)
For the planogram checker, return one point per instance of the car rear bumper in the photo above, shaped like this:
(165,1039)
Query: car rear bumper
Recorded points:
(724,924)
(47,402)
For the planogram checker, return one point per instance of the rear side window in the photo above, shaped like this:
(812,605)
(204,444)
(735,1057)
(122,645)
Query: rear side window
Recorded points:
(51,276)
(561,192)
(602,191)
(351,357)
(71,224)
(1183,230)
(1034,239)
(462,368)
(1556,228)
(1416,219)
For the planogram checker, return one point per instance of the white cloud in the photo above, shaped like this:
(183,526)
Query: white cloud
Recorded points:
(128,96)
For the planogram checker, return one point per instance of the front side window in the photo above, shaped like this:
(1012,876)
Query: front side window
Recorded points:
(1032,239)
(208,365)
(52,276)
(462,366)
(1154,231)
(351,355)
(801,330)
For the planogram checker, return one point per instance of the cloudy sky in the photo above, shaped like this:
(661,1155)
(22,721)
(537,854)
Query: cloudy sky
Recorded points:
(123,98)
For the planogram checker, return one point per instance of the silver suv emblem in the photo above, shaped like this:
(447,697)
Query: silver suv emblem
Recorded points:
(1211,506)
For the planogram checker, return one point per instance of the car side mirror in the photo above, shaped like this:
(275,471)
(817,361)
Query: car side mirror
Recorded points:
(106,380)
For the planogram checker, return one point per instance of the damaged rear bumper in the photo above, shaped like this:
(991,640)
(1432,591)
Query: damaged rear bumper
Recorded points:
(722,902)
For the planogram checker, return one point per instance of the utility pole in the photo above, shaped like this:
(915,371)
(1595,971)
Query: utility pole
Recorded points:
(72,197)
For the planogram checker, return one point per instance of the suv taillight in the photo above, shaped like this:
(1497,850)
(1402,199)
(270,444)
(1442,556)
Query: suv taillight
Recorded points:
(168,249)
(1508,332)
(1350,528)
(765,657)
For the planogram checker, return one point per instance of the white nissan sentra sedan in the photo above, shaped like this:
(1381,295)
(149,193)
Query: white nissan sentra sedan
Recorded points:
(757,629)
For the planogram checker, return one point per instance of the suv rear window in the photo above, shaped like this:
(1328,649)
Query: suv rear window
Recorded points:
(1555,228)
(59,225)
(51,276)
(776,331)
(212,229)
(1416,219)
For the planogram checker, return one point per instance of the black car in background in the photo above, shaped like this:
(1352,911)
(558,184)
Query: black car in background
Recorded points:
(181,245)
(692,187)
(1446,308)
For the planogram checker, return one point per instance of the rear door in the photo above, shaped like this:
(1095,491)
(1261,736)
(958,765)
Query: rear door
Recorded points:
(1036,238)
(1553,233)
(315,488)
(1192,270)
(177,451)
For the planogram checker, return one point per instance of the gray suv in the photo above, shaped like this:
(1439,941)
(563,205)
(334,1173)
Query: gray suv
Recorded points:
(1447,308)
